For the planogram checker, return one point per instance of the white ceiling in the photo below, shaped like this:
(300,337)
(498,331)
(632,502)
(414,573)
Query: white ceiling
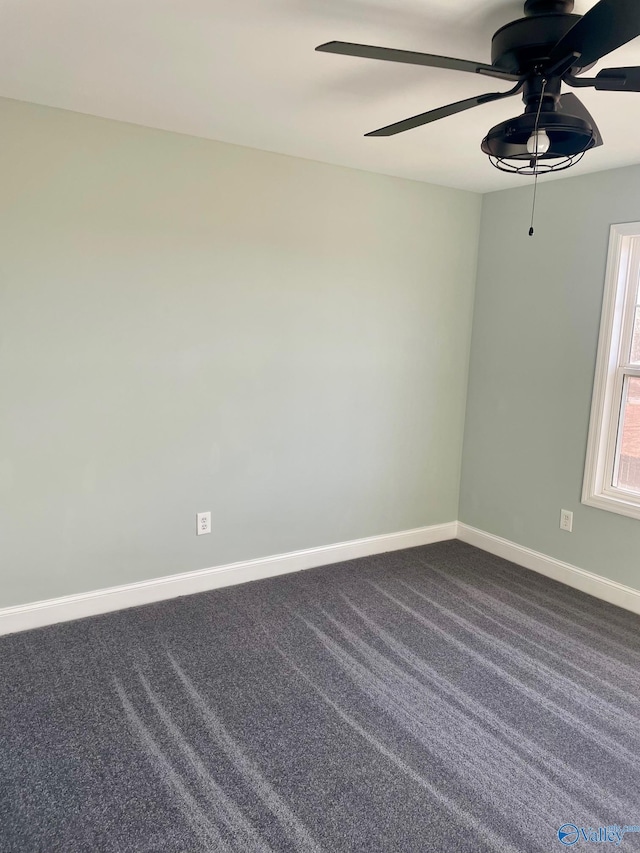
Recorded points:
(245,71)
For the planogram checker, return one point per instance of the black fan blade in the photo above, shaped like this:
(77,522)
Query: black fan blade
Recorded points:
(618,80)
(413,58)
(442,112)
(606,26)
(572,105)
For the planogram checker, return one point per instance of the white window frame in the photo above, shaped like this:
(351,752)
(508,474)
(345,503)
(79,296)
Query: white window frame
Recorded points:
(616,329)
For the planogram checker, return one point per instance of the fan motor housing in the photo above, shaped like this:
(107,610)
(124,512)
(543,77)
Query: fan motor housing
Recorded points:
(548,7)
(521,45)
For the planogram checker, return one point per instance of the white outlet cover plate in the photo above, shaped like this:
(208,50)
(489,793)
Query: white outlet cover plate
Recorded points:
(203,523)
(566,520)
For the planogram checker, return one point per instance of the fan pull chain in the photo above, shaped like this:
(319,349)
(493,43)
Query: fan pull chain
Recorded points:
(534,159)
(533,206)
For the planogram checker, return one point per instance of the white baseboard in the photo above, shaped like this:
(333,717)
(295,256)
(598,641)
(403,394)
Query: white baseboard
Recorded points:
(596,585)
(40,613)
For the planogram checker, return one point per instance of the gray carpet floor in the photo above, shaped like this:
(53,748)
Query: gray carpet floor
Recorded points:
(433,699)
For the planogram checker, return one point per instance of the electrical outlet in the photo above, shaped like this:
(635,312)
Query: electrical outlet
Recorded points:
(203,523)
(566,520)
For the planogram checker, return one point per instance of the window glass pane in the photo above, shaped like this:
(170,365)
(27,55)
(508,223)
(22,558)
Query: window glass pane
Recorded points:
(628,452)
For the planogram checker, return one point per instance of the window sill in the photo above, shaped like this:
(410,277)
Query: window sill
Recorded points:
(612,503)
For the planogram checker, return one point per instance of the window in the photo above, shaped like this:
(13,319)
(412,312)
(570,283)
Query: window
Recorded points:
(612,472)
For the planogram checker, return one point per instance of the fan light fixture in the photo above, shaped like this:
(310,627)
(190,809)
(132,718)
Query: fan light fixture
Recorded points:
(535,145)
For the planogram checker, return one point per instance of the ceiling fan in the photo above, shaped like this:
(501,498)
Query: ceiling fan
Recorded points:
(538,53)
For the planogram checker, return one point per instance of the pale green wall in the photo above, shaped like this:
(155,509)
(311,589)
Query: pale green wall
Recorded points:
(187,325)
(535,334)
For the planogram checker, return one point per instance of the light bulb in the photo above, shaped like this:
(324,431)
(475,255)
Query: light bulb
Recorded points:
(538,143)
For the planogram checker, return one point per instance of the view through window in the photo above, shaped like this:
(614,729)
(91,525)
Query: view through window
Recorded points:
(627,468)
